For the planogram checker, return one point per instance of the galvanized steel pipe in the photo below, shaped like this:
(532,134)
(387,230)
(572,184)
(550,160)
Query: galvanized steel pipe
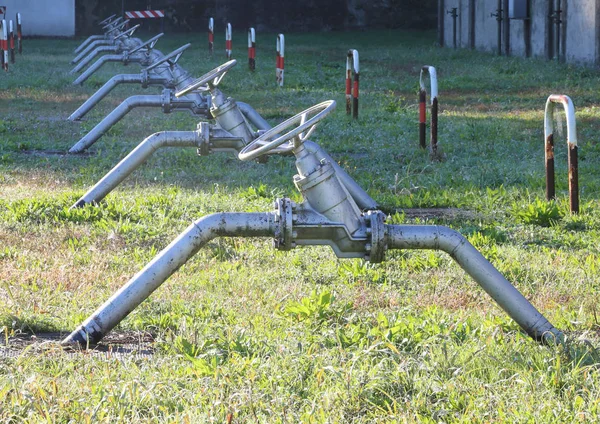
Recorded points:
(135,159)
(135,58)
(484,273)
(91,56)
(165,264)
(91,48)
(115,116)
(103,91)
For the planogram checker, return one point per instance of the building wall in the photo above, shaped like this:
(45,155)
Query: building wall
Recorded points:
(579,35)
(43,17)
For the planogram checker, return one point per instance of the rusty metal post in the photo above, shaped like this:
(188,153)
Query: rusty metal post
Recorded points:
(453,12)
(572,149)
(280,59)
(19,34)
(352,80)
(228,41)
(211,35)
(252,49)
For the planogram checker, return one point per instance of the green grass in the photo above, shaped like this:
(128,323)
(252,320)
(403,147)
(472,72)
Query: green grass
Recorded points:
(259,335)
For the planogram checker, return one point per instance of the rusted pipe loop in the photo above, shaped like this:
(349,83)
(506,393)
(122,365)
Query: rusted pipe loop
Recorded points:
(570,115)
(433,81)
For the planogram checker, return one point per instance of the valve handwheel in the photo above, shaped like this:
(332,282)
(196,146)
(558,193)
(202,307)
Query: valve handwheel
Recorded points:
(208,80)
(271,141)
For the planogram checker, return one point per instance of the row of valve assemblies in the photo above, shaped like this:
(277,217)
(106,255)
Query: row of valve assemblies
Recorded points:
(335,210)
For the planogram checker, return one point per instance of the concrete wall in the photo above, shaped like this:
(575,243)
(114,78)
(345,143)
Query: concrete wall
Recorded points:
(579,31)
(43,17)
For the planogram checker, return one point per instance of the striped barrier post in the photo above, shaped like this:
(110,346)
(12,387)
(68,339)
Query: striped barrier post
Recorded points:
(280,61)
(352,72)
(252,49)
(19,34)
(211,35)
(4,45)
(147,14)
(228,41)
(11,41)
(423,108)
(572,147)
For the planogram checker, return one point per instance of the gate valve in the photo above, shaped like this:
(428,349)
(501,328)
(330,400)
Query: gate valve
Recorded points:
(117,27)
(127,33)
(147,46)
(212,138)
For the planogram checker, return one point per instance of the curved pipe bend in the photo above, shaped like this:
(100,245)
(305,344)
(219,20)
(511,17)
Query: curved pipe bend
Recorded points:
(87,41)
(91,56)
(165,264)
(90,48)
(115,116)
(134,160)
(483,272)
(103,92)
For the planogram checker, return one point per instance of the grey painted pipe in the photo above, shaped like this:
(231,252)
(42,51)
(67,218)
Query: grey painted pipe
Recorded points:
(103,91)
(87,41)
(115,116)
(92,47)
(362,199)
(165,264)
(135,159)
(91,56)
(483,272)
(100,62)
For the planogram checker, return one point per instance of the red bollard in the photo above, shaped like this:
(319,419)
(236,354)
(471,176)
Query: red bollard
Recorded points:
(11,41)
(211,35)
(252,49)
(280,61)
(4,45)
(228,41)
(352,67)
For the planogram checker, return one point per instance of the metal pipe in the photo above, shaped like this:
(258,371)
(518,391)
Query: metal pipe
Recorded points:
(136,58)
(115,116)
(165,264)
(87,41)
(134,160)
(483,272)
(91,56)
(569,108)
(362,199)
(453,12)
(103,91)
(91,48)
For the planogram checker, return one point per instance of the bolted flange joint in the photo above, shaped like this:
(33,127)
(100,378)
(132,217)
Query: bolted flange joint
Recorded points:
(377,245)
(167,100)
(203,132)
(284,211)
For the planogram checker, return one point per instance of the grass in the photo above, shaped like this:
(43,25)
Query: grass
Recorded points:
(249,334)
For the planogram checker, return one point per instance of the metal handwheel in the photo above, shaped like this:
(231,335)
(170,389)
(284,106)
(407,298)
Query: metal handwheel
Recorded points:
(150,43)
(172,57)
(128,33)
(209,80)
(272,142)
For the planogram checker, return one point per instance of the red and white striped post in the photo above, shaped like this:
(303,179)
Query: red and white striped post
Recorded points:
(228,41)
(352,72)
(251,49)
(280,61)
(423,108)
(11,41)
(19,34)
(211,35)
(4,44)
